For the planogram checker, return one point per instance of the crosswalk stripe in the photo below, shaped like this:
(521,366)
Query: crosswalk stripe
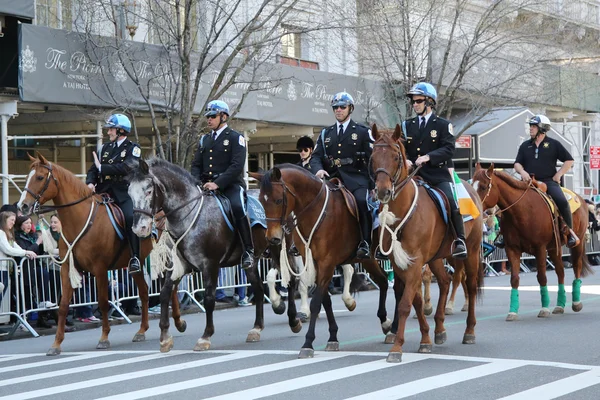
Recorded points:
(559,388)
(84,368)
(314,379)
(123,377)
(227,376)
(438,381)
(54,361)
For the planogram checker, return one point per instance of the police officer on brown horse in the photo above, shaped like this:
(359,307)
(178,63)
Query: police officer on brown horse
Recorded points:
(107,175)
(430,144)
(219,164)
(343,150)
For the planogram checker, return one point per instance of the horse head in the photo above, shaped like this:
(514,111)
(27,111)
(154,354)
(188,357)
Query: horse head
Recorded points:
(388,162)
(483,184)
(41,185)
(147,194)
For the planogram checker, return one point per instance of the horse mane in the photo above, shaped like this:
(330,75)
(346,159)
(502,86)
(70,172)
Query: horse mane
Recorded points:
(184,177)
(266,184)
(506,177)
(66,178)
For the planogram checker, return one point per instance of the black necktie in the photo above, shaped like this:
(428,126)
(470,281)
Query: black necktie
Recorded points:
(341,132)
(422,126)
(214,135)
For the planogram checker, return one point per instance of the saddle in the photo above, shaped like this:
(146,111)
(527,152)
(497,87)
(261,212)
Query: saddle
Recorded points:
(439,198)
(256,212)
(115,214)
(335,184)
(225,206)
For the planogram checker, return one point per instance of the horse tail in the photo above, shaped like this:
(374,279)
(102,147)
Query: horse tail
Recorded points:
(355,284)
(480,276)
(586,268)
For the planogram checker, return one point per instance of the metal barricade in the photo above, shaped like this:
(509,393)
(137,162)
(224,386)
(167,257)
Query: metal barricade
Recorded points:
(10,295)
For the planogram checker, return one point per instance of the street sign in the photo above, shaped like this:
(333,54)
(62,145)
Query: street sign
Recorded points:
(594,157)
(464,142)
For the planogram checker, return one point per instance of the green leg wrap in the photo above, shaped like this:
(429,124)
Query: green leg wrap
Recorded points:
(576,290)
(514,300)
(562,296)
(545,296)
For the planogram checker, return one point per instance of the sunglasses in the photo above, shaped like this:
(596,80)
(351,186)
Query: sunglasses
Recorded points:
(303,150)
(419,101)
(211,116)
(340,107)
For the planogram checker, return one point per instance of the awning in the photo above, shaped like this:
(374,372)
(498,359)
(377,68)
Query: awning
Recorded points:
(500,132)
(18,8)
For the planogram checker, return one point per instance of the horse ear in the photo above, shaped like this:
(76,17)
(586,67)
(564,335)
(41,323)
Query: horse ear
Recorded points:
(41,158)
(144,166)
(375,132)
(256,175)
(398,134)
(275,174)
(477,166)
(491,168)
(31,158)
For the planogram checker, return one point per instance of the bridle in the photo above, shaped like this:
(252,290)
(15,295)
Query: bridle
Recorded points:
(489,189)
(396,186)
(157,200)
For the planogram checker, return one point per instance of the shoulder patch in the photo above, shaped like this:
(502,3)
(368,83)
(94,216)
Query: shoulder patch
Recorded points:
(241,141)
(136,152)
(371,136)
(451,129)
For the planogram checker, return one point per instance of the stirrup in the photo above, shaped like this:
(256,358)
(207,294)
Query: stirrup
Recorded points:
(363,250)
(134,266)
(572,239)
(458,253)
(247,259)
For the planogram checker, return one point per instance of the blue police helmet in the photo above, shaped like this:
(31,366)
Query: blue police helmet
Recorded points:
(342,99)
(118,121)
(423,89)
(215,107)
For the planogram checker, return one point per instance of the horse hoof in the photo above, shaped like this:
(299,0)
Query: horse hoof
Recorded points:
(544,313)
(298,327)
(465,308)
(390,338)
(332,346)
(139,337)
(53,351)
(577,306)
(351,306)
(449,311)
(425,348)
(253,336)
(386,326)
(167,345)
(558,310)
(306,353)
(182,326)
(303,317)
(202,345)
(440,338)
(512,316)
(280,309)
(469,339)
(394,357)
(428,310)
(103,345)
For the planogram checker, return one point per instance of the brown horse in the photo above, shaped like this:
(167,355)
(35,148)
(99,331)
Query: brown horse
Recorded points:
(420,236)
(528,226)
(295,199)
(98,249)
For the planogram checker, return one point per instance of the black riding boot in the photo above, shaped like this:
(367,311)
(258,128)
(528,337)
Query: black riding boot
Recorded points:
(245,231)
(363,250)
(499,241)
(134,245)
(460,247)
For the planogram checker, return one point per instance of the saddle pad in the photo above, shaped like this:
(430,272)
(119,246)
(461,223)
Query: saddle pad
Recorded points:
(437,198)
(117,219)
(572,198)
(225,207)
(256,212)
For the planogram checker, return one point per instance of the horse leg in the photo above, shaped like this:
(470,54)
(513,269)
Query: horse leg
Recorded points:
(166,293)
(180,323)
(294,322)
(412,280)
(559,268)
(390,338)
(142,286)
(540,258)
(437,267)
(514,257)
(471,267)
(578,258)
(427,276)
(210,275)
(307,350)
(332,343)
(380,278)
(102,287)
(346,296)
(276,303)
(259,298)
(63,310)
(304,314)
(425,345)
(420,288)
(456,281)
(463,283)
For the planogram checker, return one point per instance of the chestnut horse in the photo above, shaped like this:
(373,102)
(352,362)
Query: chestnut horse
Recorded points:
(295,199)
(420,236)
(528,226)
(97,248)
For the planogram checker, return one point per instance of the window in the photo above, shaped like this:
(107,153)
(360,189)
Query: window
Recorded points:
(54,13)
(291,43)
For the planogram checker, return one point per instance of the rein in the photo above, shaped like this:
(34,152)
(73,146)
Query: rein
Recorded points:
(529,186)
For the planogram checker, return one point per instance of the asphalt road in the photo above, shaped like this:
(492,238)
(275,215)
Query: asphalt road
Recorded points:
(532,358)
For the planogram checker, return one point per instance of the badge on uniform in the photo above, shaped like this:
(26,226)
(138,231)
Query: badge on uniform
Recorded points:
(433,133)
(136,152)
(123,153)
(241,141)
(327,140)
(354,136)
(546,145)
(226,142)
(105,154)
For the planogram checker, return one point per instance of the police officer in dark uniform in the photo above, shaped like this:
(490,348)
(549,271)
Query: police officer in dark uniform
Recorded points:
(219,164)
(538,157)
(107,175)
(430,144)
(305,146)
(343,150)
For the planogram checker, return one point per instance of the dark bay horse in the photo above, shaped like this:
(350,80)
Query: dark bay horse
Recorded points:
(204,242)
(420,236)
(528,226)
(296,200)
(98,249)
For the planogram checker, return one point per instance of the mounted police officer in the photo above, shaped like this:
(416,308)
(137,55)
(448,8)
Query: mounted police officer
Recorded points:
(538,157)
(430,144)
(219,164)
(343,150)
(107,175)
(305,146)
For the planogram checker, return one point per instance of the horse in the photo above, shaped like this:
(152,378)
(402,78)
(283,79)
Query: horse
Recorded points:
(416,234)
(458,279)
(93,244)
(527,224)
(324,217)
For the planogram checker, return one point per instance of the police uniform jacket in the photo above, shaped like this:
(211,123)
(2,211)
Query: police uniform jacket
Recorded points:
(436,141)
(306,167)
(543,167)
(116,162)
(222,160)
(346,157)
